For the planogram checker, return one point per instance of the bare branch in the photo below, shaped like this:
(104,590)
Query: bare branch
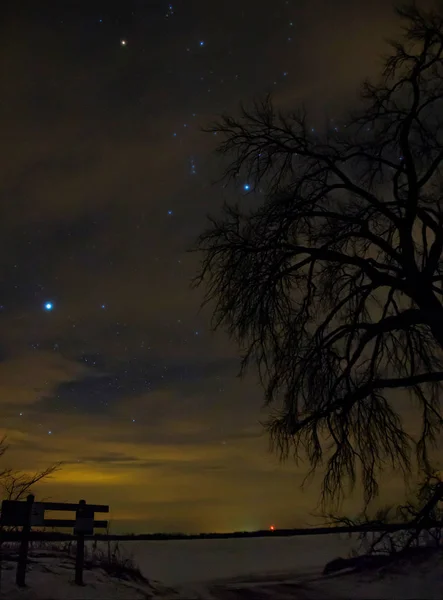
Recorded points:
(333,285)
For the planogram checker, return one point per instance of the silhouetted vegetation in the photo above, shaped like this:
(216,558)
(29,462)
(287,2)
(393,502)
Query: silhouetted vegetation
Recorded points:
(423,516)
(16,485)
(331,283)
(109,557)
(421,536)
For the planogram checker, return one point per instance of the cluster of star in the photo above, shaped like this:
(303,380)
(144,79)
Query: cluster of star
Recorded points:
(192,165)
(200,50)
(202,44)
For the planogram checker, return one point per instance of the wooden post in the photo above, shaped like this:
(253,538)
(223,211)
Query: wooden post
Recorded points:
(23,553)
(80,554)
(79,559)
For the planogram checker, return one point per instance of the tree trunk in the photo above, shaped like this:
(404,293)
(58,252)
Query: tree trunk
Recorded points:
(433,309)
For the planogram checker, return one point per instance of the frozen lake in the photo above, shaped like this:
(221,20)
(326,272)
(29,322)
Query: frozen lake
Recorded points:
(177,562)
(274,568)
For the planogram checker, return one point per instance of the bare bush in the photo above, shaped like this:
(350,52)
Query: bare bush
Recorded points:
(422,517)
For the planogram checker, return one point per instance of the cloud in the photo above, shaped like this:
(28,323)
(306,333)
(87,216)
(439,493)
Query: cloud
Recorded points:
(97,393)
(147,415)
(25,379)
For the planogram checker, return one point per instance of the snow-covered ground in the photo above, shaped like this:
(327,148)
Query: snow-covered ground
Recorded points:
(186,561)
(232,569)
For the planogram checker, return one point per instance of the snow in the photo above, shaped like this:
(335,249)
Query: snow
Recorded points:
(185,561)
(228,569)
(407,581)
(50,576)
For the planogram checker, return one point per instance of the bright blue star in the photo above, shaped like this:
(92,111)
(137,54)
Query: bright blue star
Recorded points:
(170,212)
(48,306)
(202,43)
(246,187)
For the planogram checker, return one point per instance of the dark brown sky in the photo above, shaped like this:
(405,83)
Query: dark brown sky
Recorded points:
(123,380)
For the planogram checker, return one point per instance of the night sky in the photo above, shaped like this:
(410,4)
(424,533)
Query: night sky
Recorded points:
(106,179)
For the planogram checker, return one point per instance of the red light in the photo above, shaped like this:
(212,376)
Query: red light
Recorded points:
(272,528)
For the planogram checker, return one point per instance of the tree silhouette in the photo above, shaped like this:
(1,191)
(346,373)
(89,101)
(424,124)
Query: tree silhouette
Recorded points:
(332,284)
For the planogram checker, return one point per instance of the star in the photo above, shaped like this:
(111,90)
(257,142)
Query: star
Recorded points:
(123,42)
(48,306)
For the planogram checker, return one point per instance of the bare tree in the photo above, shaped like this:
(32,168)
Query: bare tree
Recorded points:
(422,517)
(332,284)
(15,485)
